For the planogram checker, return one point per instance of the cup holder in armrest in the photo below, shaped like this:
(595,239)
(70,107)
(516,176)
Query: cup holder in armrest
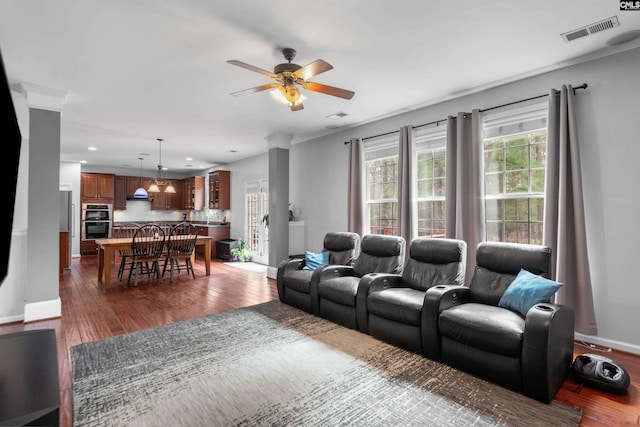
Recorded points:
(600,372)
(544,307)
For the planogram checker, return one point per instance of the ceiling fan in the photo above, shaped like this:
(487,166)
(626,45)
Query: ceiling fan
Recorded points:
(289,77)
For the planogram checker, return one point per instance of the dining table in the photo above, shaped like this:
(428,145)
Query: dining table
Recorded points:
(108,247)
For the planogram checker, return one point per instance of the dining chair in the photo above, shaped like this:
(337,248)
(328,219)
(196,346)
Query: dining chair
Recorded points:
(180,246)
(125,231)
(148,243)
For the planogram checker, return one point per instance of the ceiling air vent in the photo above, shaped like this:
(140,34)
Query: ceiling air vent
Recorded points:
(590,29)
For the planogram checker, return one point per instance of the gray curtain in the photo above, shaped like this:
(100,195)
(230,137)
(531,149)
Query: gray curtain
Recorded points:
(564,222)
(355,222)
(464,211)
(406,178)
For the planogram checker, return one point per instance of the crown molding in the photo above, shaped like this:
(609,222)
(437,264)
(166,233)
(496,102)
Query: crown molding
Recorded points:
(279,141)
(44,98)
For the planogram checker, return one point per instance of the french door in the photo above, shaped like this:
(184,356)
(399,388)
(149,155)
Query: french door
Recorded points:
(256,207)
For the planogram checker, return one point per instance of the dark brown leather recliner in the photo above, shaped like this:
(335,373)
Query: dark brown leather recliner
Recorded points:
(465,327)
(389,306)
(294,281)
(334,294)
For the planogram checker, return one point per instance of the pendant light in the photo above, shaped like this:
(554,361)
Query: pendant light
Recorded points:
(155,186)
(140,192)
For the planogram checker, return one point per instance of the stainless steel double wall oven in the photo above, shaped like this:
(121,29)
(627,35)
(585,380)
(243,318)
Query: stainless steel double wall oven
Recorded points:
(96,221)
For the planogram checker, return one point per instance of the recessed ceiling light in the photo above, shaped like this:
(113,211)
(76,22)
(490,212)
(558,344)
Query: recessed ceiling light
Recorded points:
(188,159)
(337,115)
(232,151)
(92,148)
(188,166)
(84,162)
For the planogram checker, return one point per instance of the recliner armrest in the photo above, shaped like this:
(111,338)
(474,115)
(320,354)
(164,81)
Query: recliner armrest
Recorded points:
(547,350)
(325,272)
(371,283)
(286,266)
(437,299)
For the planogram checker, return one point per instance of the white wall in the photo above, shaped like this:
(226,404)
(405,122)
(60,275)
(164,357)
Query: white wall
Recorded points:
(609,133)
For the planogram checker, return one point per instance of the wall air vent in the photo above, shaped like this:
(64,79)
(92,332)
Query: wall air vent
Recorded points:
(590,29)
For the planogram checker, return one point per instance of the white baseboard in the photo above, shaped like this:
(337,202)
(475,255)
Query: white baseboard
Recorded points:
(272,272)
(11,319)
(42,310)
(617,345)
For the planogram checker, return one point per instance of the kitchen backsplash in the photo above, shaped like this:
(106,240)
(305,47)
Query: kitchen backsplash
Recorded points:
(141,211)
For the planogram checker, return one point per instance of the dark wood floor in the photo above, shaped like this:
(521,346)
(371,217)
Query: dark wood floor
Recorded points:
(89,313)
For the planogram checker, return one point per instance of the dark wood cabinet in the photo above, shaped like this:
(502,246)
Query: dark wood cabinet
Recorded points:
(166,201)
(97,186)
(220,190)
(120,197)
(193,193)
(218,232)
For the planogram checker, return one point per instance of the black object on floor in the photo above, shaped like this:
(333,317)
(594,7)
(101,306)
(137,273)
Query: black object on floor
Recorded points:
(601,373)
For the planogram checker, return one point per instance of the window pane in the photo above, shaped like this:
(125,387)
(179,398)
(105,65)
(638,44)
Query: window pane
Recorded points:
(494,231)
(494,160)
(517,158)
(537,180)
(493,183)
(425,188)
(517,182)
(536,208)
(493,210)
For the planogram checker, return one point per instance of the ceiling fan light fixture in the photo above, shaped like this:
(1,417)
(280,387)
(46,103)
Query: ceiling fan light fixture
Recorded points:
(287,96)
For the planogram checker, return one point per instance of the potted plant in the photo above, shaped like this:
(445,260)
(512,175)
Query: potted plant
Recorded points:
(265,217)
(241,252)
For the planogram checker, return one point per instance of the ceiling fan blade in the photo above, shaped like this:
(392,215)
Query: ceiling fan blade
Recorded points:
(256,89)
(251,68)
(329,90)
(316,67)
(297,107)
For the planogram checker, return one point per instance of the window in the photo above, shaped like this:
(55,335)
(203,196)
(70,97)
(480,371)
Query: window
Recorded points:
(381,183)
(257,204)
(430,189)
(515,145)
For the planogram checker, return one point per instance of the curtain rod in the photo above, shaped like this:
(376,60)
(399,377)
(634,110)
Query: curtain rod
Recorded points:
(436,122)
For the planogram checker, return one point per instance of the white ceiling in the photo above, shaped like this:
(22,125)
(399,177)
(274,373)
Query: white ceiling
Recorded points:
(137,70)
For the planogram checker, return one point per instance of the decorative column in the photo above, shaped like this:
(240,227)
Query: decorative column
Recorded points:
(278,200)
(42,299)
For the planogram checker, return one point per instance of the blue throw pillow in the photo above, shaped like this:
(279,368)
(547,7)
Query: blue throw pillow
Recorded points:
(313,260)
(527,290)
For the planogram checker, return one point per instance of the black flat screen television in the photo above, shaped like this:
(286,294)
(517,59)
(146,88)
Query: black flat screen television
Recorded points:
(11,142)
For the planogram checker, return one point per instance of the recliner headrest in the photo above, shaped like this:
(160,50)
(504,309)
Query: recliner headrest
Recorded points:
(382,245)
(341,241)
(509,258)
(438,251)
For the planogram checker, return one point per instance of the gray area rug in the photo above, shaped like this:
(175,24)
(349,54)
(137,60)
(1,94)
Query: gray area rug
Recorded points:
(274,365)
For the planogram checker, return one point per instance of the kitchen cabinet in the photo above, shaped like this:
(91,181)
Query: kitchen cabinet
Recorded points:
(220,190)
(97,186)
(125,186)
(120,197)
(218,232)
(193,193)
(165,201)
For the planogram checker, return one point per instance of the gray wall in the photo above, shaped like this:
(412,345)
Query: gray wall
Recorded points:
(610,148)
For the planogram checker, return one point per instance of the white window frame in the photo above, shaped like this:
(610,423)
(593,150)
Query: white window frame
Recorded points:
(432,139)
(511,123)
(380,148)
